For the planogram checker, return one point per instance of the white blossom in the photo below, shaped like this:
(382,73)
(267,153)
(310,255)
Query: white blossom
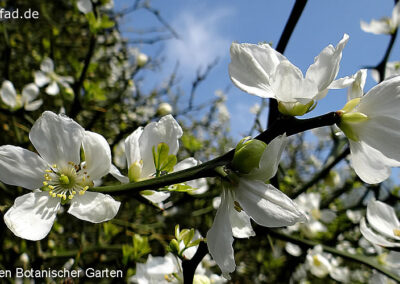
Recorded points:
(384,25)
(250,197)
(260,70)
(57,176)
(47,76)
(25,100)
(383,227)
(372,125)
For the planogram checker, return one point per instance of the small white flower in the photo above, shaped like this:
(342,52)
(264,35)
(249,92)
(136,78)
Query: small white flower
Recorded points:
(384,25)
(383,227)
(260,70)
(60,175)
(25,100)
(139,153)
(310,203)
(85,6)
(247,197)
(47,76)
(392,69)
(372,124)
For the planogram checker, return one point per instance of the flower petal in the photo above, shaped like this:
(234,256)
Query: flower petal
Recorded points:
(8,94)
(368,163)
(32,106)
(52,89)
(156,196)
(375,238)
(47,65)
(376,26)
(94,207)
(29,93)
(21,167)
(97,155)
(32,215)
(220,239)
(266,205)
(326,65)
(289,84)
(241,225)
(252,66)
(200,185)
(41,78)
(117,174)
(132,148)
(85,6)
(57,138)
(382,218)
(167,130)
(269,160)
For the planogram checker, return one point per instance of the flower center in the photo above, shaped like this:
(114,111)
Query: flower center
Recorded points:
(396,232)
(316,261)
(64,182)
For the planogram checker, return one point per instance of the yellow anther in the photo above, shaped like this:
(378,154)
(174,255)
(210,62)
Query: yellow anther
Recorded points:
(64,196)
(70,196)
(73,192)
(82,192)
(50,193)
(45,183)
(396,232)
(54,166)
(48,171)
(237,206)
(86,188)
(54,195)
(59,195)
(51,187)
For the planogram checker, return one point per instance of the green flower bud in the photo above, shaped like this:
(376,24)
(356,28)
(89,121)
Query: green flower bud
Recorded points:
(174,246)
(247,155)
(295,109)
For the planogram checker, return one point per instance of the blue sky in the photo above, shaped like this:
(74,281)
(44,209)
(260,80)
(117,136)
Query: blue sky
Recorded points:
(207,28)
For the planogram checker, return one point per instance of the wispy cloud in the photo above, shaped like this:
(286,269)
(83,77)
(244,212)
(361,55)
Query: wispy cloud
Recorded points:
(201,38)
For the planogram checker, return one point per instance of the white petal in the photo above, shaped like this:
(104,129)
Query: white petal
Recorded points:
(117,174)
(241,225)
(57,138)
(47,65)
(326,65)
(356,90)
(252,66)
(21,167)
(85,6)
(132,148)
(267,205)
(376,26)
(8,94)
(396,16)
(289,85)
(41,78)
(167,130)
(382,218)
(156,196)
(342,83)
(269,160)
(32,106)
(52,89)
(97,155)
(369,164)
(94,207)
(327,215)
(220,239)
(200,184)
(32,215)
(29,93)
(375,238)
(119,157)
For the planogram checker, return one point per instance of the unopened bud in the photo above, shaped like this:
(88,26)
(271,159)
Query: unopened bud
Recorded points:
(141,59)
(247,155)
(164,109)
